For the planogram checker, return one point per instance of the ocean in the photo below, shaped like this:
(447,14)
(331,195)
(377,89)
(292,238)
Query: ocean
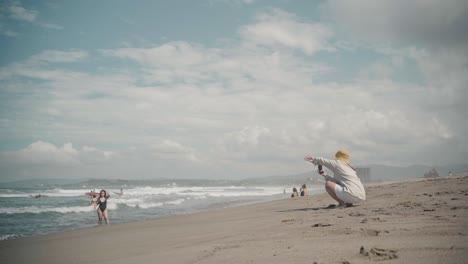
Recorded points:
(60,209)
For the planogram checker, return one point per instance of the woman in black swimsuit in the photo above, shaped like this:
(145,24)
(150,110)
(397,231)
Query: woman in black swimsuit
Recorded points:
(101,202)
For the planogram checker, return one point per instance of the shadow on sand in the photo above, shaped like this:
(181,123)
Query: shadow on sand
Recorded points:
(305,209)
(330,207)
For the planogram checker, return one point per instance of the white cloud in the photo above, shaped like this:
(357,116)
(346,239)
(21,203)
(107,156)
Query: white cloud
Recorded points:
(35,66)
(173,54)
(44,153)
(51,26)
(235,2)
(248,109)
(169,149)
(281,29)
(421,22)
(54,56)
(9,33)
(244,139)
(20,13)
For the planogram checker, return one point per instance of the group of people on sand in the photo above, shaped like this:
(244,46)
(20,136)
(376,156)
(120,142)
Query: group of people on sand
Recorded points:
(303,191)
(344,186)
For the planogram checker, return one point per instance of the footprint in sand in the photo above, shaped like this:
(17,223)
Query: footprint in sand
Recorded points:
(370,232)
(378,254)
(321,225)
(356,214)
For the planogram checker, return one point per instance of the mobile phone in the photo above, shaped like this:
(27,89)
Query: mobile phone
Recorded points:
(320,169)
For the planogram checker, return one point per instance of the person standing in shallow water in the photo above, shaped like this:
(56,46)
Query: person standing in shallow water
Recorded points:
(295,193)
(101,202)
(304,190)
(345,187)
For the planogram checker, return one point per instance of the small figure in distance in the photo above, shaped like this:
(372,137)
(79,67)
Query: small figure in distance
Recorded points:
(295,193)
(303,190)
(38,196)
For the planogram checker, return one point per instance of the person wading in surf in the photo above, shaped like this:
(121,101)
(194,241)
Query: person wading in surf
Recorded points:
(101,202)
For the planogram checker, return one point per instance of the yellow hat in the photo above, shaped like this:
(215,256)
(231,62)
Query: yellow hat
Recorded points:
(343,155)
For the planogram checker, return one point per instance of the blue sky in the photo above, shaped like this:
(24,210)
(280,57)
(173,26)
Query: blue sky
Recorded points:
(228,88)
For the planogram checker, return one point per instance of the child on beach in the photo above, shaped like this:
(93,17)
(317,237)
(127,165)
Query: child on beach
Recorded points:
(303,190)
(345,186)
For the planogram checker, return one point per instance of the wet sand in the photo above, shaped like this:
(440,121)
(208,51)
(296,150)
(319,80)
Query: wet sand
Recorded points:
(417,221)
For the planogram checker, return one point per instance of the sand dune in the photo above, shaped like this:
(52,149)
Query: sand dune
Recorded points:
(418,221)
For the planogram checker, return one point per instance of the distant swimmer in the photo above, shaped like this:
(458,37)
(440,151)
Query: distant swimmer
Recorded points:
(38,196)
(101,203)
(295,193)
(92,193)
(119,193)
(304,190)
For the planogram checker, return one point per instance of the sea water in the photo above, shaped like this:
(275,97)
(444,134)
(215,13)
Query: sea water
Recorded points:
(61,209)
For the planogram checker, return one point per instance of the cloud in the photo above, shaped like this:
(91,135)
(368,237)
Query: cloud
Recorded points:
(235,2)
(244,139)
(36,65)
(51,26)
(9,33)
(55,56)
(250,108)
(169,149)
(20,13)
(47,154)
(427,22)
(281,29)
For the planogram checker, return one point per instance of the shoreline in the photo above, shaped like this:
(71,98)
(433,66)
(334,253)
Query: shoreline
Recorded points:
(420,221)
(30,221)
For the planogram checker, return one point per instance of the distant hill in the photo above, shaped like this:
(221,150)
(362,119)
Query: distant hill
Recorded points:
(37,183)
(390,173)
(377,173)
(310,177)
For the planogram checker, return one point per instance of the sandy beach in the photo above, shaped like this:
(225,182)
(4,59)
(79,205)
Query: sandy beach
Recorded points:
(415,221)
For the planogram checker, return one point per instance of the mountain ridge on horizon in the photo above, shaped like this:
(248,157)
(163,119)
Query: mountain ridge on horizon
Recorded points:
(378,173)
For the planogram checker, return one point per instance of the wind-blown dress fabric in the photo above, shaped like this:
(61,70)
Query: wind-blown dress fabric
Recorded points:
(344,175)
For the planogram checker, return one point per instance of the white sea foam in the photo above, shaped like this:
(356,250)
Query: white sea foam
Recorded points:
(62,210)
(175,202)
(204,191)
(38,210)
(14,195)
(8,236)
(142,203)
(150,205)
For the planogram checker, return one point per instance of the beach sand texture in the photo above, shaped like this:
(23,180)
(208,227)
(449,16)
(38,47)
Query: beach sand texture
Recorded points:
(417,221)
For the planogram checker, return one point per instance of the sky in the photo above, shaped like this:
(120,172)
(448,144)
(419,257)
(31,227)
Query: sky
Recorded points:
(229,89)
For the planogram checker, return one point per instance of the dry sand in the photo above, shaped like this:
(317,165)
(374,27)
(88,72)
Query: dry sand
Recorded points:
(419,221)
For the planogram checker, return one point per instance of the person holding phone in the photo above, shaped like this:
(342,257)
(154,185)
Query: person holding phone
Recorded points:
(344,186)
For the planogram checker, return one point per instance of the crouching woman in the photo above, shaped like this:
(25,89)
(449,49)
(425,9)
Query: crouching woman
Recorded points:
(344,186)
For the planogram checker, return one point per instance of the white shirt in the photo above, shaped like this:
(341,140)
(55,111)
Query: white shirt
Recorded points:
(344,175)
